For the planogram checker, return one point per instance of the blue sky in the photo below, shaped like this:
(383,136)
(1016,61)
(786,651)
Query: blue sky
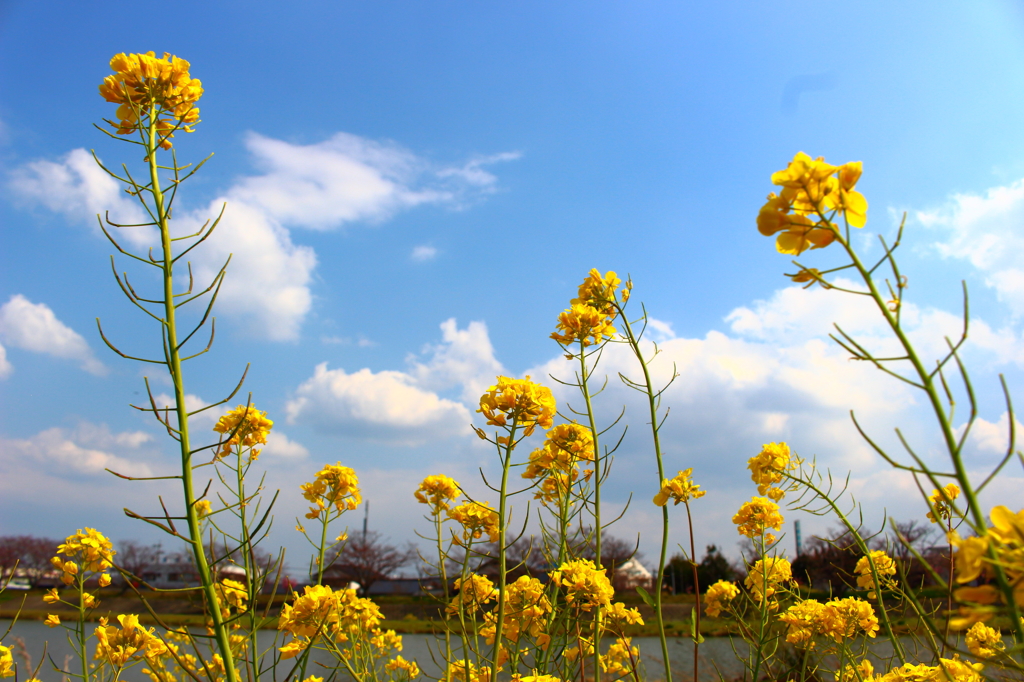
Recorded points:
(416,189)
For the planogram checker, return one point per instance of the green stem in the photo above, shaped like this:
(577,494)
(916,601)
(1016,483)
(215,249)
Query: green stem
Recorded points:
(652,403)
(174,367)
(585,387)
(506,465)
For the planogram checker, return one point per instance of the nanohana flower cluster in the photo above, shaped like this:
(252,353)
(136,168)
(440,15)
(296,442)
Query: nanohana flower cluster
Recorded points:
(152,89)
(813,192)
(246,427)
(589,318)
(768,468)
(335,487)
(679,489)
(518,402)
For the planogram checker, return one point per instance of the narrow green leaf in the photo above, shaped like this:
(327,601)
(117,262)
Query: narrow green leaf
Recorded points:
(646,597)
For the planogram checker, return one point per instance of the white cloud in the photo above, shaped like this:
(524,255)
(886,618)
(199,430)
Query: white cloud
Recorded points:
(423,253)
(993,437)
(320,186)
(985,231)
(5,367)
(403,407)
(88,450)
(34,327)
(464,358)
(383,406)
(280,446)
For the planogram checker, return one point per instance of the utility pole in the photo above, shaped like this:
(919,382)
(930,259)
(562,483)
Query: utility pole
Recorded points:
(796,529)
(366,520)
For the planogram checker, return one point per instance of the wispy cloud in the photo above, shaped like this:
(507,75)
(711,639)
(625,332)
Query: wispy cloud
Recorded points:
(323,186)
(423,253)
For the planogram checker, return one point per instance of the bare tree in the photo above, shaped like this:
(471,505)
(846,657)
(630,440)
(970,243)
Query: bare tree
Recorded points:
(365,559)
(30,554)
(135,558)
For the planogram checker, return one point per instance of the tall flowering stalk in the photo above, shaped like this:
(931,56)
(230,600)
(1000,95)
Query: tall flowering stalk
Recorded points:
(157,98)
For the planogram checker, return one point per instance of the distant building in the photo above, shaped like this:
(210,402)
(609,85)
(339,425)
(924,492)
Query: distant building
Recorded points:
(631,575)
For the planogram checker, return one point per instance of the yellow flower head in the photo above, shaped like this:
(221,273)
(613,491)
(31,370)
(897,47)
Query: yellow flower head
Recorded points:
(718,595)
(585,585)
(599,291)
(118,646)
(584,323)
(679,489)
(520,401)
(467,672)
(803,620)
(203,508)
(765,577)
(471,594)
(476,518)
(756,516)
(438,491)
(231,593)
(884,566)
(91,548)
(410,668)
(6,662)
(309,612)
(941,503)
(813,192)
(768,467)
(861,672)
(556,462)
(984,642)
(335,486)
(148,88)
(526,611)
(844,618)
(52,620)
(620,658)
(51,596)
(246,427)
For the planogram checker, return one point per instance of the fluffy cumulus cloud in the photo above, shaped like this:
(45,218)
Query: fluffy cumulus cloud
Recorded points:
(319,186)
(5,365)
(403,406)
(985,231)
(34,327)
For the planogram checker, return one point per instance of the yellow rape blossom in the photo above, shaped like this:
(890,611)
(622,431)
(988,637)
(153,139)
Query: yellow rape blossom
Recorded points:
(755,517)
(766,575)
(6,662)
(148,87)
(678,489)
(410,668)
(468,672)
(585,324)
(941,503)
(813,192)
(51,596)
(861,672)
(585,585)
(519,401)
(768,467)
(621,658)
(471,593)
(91,548)
(885,567)
(52,620)
(476,519)
(118,646)
(231,593)
(526,610)
(246,426)
(437,492)
(104,580)
(984,641)
(335,486)
(718,595)
(803,621)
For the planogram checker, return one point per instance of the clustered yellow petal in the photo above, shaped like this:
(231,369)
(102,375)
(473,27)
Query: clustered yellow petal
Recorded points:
(585,585)
(766,576)
(556,463)
(984,641)
(119,646)
(52,620)
(6,662)
(520,402)
(149,88)
(718,596)
(948,670)
(678,489)
(467,671)
(399,664)
(340,615)
(885,567)
(813,192)
(839,620)
(92,550)
(941,502)
(438,492)
(1005,539)
(526,611)
(335,487)
(476,519)
(757,516)
(246,427)
(768,466)
(472,593)
(585,324)
(621,658)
